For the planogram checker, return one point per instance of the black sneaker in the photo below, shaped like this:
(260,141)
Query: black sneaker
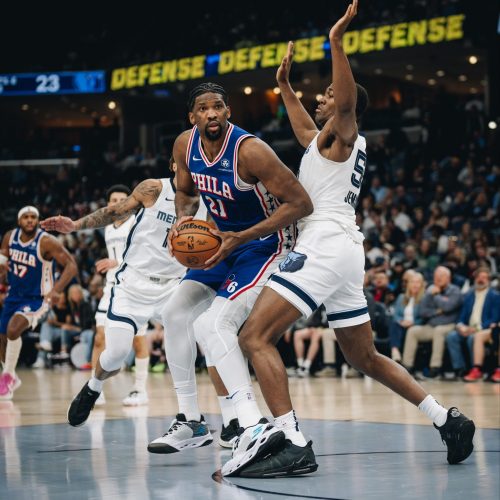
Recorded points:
(80,408)
(457,434)
(291,460)
(229,434)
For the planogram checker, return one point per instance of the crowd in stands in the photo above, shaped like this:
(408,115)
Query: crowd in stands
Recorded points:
(429,210)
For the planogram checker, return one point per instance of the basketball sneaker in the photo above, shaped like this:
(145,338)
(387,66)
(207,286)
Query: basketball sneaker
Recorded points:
(474,375)
(8,384)
(81,406)
(496,376)
(457,433)
(182,435)
(228,435)
(136,398)
(254,442)
(291,460)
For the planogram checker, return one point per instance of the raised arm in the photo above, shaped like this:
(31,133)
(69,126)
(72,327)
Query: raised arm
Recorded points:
(144,195)
(343,123)
(303,125)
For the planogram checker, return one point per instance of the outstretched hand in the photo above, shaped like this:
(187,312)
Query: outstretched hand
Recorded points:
(283,73)
(59,223)
(338,30)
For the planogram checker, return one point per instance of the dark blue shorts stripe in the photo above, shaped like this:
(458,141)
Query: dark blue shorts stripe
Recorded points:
(114,317)
(347,314)
(296,290)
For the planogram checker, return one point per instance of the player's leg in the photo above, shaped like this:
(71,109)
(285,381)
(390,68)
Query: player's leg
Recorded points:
(188,430)
(9,381)
(312,352)
(99,338)
(481,338)
(138,395)
(3,347)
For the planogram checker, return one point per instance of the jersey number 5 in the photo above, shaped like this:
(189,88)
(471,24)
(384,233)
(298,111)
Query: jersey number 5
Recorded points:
(217,207)
(359,168)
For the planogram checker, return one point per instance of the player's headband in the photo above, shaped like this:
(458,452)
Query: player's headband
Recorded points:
(28,209)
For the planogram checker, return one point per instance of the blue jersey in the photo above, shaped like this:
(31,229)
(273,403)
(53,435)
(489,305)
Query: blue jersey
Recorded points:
(30,275)
(232,203)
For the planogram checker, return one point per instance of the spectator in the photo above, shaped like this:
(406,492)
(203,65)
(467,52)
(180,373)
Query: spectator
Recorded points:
(406,313)
(51,330)
(478,313)
(328,340)
(380,287)
(80,321)
(439,309)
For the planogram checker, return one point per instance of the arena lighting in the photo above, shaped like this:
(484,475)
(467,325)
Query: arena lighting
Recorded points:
(299,94)
(277,90)
(409,77)
(378,71)
(247,90)
(462,78)
(111,104)
(431,81)
(440,73)
(25,107)
(492,125)
(319,97)
(473,59)
(409,67)
(473,90)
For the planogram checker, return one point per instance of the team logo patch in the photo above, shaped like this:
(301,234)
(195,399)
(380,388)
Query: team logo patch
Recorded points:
(293,262)
(224,163)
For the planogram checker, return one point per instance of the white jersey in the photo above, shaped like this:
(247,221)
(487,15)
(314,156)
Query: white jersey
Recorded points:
(334,187)
(116,240)
(146,251)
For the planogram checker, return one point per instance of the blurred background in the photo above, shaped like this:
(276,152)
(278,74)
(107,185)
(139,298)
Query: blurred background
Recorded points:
(90,102)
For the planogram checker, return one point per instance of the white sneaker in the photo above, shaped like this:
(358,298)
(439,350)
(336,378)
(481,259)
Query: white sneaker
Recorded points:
(255,442)
(101,400)
(45,345)
(39,363)
(136,398)
(303,373)
(182,435)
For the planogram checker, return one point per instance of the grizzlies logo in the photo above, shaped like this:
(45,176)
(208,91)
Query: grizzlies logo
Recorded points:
(293,262)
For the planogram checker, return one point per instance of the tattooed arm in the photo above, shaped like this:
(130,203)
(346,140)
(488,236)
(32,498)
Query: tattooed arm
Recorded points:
(144,195)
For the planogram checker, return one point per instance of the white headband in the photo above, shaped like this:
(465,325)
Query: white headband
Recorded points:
(28,209)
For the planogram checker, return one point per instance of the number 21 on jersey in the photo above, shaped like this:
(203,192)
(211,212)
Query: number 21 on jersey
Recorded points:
(217,207)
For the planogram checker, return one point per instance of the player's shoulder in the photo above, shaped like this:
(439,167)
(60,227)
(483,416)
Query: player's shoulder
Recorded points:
(48,240)
(183,138)
(7,235)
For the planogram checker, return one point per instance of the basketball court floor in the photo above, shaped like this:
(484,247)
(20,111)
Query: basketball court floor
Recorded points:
(369,443)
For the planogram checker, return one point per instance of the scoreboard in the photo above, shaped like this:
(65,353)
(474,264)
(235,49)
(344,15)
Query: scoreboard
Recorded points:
(53,83)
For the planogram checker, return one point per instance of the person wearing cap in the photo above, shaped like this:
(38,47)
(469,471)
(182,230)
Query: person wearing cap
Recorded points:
(28,254)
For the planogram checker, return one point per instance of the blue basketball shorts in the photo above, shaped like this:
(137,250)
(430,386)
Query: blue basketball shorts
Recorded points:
(34,309)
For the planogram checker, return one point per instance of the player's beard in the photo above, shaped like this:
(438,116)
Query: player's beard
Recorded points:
(213,136)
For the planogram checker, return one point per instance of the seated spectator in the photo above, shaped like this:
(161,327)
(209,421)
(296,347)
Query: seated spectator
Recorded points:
(380,287)
(406,313)
(80,321)
(328,339)
(312,332)
(478,311)
(51,330)
(439,310)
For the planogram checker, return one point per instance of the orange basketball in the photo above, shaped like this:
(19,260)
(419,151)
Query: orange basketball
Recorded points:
(195,244)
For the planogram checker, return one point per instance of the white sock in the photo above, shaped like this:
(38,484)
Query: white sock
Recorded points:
(187,396)
(300,362)
(437,413)
(227,409)
(95,384)
(12,355)
(141,373)
(289,425)
(246,407)
(307,365)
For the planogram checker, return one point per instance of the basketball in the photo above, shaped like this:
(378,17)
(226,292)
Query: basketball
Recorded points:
(195,244)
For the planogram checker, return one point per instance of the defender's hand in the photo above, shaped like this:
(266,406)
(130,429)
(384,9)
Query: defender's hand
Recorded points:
(104,265)
(230,240)
(60,224)
(338,30)
(173,231)
(283,73)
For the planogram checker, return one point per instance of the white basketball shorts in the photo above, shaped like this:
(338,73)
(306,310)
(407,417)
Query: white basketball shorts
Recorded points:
(326,267)
(136,298)
(102,308)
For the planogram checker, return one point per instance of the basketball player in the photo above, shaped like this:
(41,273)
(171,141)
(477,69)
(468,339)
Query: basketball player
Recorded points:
(115,236)
(30,254)
(327,266)
(251,195)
